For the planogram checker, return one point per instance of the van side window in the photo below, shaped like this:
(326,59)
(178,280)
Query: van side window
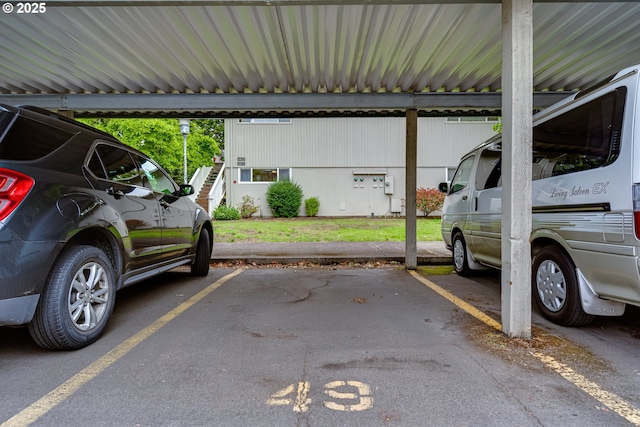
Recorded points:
(489,170)
(461,178)
(583,138)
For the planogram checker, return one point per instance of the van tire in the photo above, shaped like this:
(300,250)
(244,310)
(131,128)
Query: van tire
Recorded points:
(459,253)
(555,288)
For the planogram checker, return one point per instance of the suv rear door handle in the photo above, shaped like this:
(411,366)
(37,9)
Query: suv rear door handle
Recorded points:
(118,194)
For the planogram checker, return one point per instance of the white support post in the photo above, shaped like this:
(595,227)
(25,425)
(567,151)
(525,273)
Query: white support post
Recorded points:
(411,171)
(517,107)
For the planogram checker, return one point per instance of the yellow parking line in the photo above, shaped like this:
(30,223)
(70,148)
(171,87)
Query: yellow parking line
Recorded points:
(611,400)
(59,394)
(459,302)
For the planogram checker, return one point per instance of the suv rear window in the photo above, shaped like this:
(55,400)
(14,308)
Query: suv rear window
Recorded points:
(29,139)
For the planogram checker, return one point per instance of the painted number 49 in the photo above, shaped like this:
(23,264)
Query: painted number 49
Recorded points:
(344,396)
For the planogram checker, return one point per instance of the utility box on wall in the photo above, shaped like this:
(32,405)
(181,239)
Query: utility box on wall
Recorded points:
(388,184)
(396,206)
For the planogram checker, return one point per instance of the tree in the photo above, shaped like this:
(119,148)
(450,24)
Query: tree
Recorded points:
(161,140)
(213,128)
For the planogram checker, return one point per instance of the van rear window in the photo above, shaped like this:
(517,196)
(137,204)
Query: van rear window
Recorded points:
(29,139)
(583,138)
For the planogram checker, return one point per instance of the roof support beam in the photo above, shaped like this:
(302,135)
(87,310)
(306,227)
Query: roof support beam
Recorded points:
(283,102)
(517,78)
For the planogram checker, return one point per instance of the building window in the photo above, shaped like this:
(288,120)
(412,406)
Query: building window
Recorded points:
(264,175)
(473,119)
(449,171)
(265,120)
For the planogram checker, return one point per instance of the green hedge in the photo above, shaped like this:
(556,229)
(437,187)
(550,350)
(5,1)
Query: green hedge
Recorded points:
(312,206)
(284,199)
(224,212)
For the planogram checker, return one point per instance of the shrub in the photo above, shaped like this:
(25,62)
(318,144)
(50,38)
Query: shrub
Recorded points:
(429,200)
(284,199)
(247,207)
(224,212)
(311,206)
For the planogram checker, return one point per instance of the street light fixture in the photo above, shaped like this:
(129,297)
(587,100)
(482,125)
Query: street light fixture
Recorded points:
(184,130)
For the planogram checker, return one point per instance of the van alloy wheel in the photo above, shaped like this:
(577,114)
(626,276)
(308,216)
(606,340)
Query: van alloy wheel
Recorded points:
(551,285)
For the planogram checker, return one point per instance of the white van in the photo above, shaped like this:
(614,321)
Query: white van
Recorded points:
(585,239)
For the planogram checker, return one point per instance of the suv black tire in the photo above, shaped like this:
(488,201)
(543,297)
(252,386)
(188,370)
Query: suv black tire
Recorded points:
(200,266)
(77,301)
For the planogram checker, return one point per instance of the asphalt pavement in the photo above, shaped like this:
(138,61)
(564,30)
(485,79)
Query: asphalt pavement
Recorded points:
(309,347)
(328,252)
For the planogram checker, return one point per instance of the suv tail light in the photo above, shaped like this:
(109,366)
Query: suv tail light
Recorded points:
(14,187)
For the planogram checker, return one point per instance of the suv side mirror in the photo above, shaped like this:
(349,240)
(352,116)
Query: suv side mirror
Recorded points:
(443,187)
(186,190)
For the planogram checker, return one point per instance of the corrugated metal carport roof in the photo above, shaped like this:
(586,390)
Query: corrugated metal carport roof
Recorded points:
(103,56)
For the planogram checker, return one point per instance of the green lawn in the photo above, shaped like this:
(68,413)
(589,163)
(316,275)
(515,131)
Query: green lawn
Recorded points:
(317,229)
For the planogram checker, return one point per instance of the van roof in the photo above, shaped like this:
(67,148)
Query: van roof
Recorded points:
(587,91)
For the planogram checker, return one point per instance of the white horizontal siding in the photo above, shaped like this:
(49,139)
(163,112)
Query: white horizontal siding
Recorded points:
(442,144)
(337,191)
(349,142)
(324,155)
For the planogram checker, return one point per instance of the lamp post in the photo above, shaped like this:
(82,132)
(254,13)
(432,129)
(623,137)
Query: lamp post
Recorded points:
(184,130)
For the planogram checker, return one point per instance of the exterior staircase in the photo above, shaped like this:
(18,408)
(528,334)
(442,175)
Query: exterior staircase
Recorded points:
(201,199)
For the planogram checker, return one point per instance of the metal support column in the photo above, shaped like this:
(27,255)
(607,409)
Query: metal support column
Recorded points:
(411,170)
(517,107)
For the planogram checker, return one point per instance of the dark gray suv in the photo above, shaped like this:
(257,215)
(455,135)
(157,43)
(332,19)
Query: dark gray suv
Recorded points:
(81,216)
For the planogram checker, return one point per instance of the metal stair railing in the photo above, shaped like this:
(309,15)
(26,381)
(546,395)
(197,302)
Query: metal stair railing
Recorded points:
(198,180)
(218,190)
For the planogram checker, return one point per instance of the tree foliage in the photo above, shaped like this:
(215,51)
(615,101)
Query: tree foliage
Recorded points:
(213,128)
(162,141)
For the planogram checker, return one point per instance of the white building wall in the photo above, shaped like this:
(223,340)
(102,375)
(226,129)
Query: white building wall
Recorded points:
(308,142)
(326,155)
